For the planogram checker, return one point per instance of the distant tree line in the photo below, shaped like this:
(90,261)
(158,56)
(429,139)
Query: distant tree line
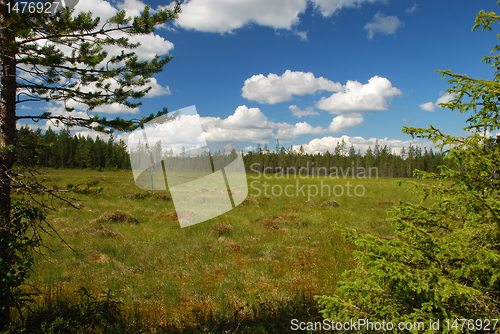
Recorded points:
(63,150)
(380,158)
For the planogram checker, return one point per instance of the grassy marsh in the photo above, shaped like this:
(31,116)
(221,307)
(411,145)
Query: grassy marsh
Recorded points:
(242,265)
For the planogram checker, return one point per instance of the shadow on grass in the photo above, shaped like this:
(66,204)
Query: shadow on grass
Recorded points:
(105,314)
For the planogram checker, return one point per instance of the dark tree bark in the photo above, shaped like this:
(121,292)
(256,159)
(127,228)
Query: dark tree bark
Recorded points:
(7,140)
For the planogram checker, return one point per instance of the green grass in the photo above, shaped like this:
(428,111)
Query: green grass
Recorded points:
(258,262)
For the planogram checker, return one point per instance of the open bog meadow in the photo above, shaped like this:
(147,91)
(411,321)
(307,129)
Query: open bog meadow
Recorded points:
(252,269)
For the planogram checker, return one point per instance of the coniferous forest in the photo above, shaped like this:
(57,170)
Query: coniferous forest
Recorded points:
(63,150)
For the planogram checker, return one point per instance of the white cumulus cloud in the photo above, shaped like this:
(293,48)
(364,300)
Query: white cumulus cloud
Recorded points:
(274,88)
(386,25)
(302,35)
(226,15)
(431,106)
(329,7)
(100,8)
(132,7)
(244,117)
(151,44)
(157,89)
(358,97)
(299,113)
(116,108)
(57,109)
(343,122)
(223,16)
(412,9)
(328,143)
(445,98)
(251,125)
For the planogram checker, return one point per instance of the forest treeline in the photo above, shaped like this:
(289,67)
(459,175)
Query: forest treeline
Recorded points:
(63,150)
(381,159)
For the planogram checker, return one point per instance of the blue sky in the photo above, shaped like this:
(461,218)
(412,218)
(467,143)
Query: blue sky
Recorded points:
(310,72)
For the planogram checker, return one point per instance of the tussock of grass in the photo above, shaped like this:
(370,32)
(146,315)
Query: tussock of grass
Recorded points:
(330,203)
(221,229)
(223,240)
(274,222)
(251,200)
(148,195)
(179,216)
(116,216)
(234,248)
(96,257)
(105,231)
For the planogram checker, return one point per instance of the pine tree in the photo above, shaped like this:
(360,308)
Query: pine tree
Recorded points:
(35,66)
(444,262)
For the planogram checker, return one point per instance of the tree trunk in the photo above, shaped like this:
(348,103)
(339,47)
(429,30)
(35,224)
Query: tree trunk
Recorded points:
(7,139)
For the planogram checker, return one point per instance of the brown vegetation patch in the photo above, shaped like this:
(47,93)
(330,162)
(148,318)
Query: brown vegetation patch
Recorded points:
(96,257)
(179,215)
(220,229)
(381,203)
(250,200)
(330,203)
(223,240)
(235,248)
(116,216)
(270,224)
(171,215)
(162,196)
(106,232)
(273,222)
